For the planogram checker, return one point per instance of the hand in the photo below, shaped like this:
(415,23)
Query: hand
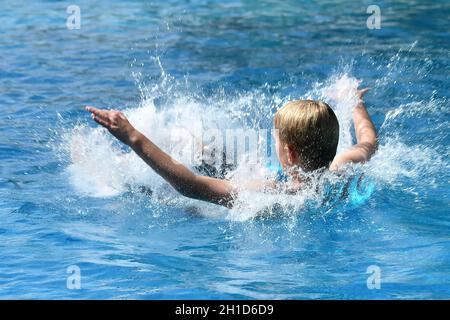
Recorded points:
(115,121)
(361,92)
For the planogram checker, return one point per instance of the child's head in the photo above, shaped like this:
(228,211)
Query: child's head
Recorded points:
(307,134)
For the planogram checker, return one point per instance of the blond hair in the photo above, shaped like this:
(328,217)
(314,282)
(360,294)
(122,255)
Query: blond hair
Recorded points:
(311,129)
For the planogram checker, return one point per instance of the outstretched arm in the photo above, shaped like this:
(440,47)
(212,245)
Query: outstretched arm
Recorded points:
(366,137)
(180,177)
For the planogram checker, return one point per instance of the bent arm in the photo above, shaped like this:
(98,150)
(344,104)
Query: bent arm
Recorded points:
(366,138)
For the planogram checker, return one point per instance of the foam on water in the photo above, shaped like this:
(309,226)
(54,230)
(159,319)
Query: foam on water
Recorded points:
(100,167)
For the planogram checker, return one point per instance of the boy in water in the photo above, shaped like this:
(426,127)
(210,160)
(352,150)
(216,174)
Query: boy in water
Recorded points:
(306,140)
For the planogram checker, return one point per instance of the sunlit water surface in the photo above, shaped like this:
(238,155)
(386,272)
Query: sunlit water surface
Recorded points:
(70,195)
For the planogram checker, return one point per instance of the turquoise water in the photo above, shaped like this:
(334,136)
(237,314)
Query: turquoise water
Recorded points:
(69,194)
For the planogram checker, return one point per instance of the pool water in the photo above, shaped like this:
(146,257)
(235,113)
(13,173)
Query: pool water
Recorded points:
(70,195)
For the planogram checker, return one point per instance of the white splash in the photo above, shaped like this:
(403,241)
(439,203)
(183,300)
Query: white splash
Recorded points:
(100,167)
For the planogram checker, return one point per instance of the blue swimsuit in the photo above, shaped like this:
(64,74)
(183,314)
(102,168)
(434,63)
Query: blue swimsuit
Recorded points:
(281,176)
(358,189)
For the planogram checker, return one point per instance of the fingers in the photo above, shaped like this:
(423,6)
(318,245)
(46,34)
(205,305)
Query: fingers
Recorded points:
(100,121)
(99,113)
(364,90)
(91,109)
(361,92)
(99,116)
